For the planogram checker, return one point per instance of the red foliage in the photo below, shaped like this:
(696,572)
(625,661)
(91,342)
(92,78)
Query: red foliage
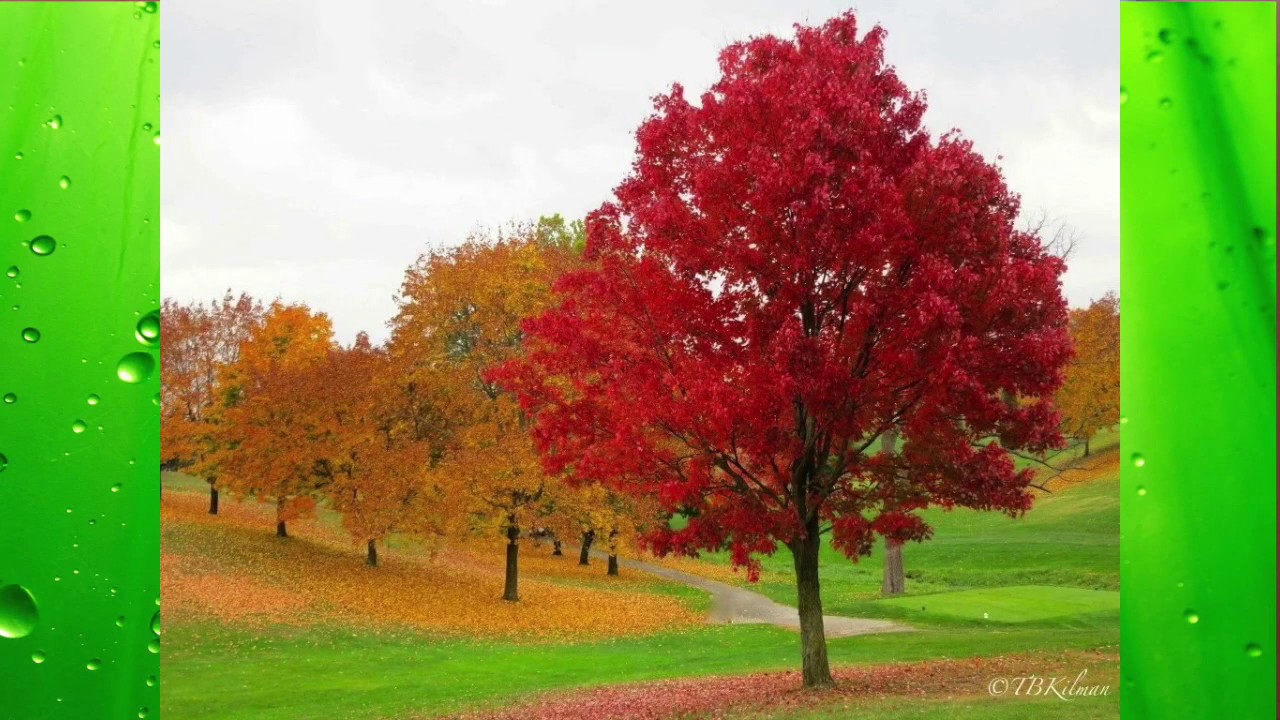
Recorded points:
(794,267)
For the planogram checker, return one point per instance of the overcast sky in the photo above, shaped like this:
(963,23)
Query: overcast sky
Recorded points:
(313,149)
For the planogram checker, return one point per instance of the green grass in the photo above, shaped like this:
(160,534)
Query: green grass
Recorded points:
(1047,582)
(1018,604)
(1070,539)
(212,673)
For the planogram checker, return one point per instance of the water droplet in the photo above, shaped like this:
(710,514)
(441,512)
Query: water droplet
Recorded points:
(156,138)
(143,712)
(155,623)
(78,427)
(135,367)
(146,127)
(22,215)
(1155,56)
(18,156)
(18,612)
(156,44)
(10,398)
(1138,460)
(120,621)
(4,462)
(116,487)
(1253,650)
(154,647)
(64,182)
(155,399)
(94,664)
(31,335)
(1142,490)
(149,7)
(1191,617)
(148,330)
(43,245)
(1124,95)
(55,122)
(1124,420)
(38,657)
(94,399)
(1166,103)
(1167,36)
(12,271)
(151,681)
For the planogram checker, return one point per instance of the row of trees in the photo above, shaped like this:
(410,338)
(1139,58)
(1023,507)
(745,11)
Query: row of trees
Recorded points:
(410,437)
(801,316)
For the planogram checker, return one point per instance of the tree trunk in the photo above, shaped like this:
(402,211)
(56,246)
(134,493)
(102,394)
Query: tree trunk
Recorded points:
(587,537)
(1086,447)
(895,581)
(511,592)
(213,498)
(813,639)
(280,528)
(613,552)
(372,558)
(558,550)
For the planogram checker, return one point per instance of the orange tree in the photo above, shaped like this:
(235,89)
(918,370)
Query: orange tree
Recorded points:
(372,455)
(1089,400)
(460,315)
(264,430)
(199,341)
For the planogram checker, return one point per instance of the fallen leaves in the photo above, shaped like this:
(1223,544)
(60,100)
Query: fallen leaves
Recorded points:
(231,569)
(745,694)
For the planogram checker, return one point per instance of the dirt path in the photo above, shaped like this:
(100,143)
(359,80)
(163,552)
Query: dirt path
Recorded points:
(730,604)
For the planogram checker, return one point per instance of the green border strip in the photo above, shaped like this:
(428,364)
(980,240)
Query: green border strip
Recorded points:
(1198,342)
(79,425)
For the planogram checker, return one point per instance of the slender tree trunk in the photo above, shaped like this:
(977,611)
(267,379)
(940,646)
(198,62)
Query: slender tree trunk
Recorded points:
(558,550)
(813,639)
(511,592)
(613,551)
(587,537)
(281,531)
(213,497)
(372,558)
(895,581)
(1086,447)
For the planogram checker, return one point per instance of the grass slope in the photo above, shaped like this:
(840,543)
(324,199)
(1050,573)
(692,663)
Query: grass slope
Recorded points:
(1047,581)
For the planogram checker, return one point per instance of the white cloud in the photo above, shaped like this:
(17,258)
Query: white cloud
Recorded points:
(314,148)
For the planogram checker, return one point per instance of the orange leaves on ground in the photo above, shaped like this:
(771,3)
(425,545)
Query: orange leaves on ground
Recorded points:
(770,693)
(227,569)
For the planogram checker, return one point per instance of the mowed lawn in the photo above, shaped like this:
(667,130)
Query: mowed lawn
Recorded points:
(1046,582)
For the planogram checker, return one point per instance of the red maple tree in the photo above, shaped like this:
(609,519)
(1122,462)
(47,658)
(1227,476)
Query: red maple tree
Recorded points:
(793,268)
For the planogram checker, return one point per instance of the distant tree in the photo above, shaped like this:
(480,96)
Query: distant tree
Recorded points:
(792,269)
(265,430)
(1089,400)
(199,341)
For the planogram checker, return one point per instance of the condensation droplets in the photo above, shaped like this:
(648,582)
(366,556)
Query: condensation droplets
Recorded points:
(18,611)
(135,367)
(43,245)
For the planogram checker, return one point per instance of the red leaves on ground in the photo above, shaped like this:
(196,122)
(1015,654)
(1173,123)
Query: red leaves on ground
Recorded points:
(715,697)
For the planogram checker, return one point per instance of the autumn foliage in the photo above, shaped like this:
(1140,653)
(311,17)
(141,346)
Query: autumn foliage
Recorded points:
(793,268)
(801,316)
(1089,400)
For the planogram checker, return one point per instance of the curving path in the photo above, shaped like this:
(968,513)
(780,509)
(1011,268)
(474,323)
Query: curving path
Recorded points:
(731,604)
